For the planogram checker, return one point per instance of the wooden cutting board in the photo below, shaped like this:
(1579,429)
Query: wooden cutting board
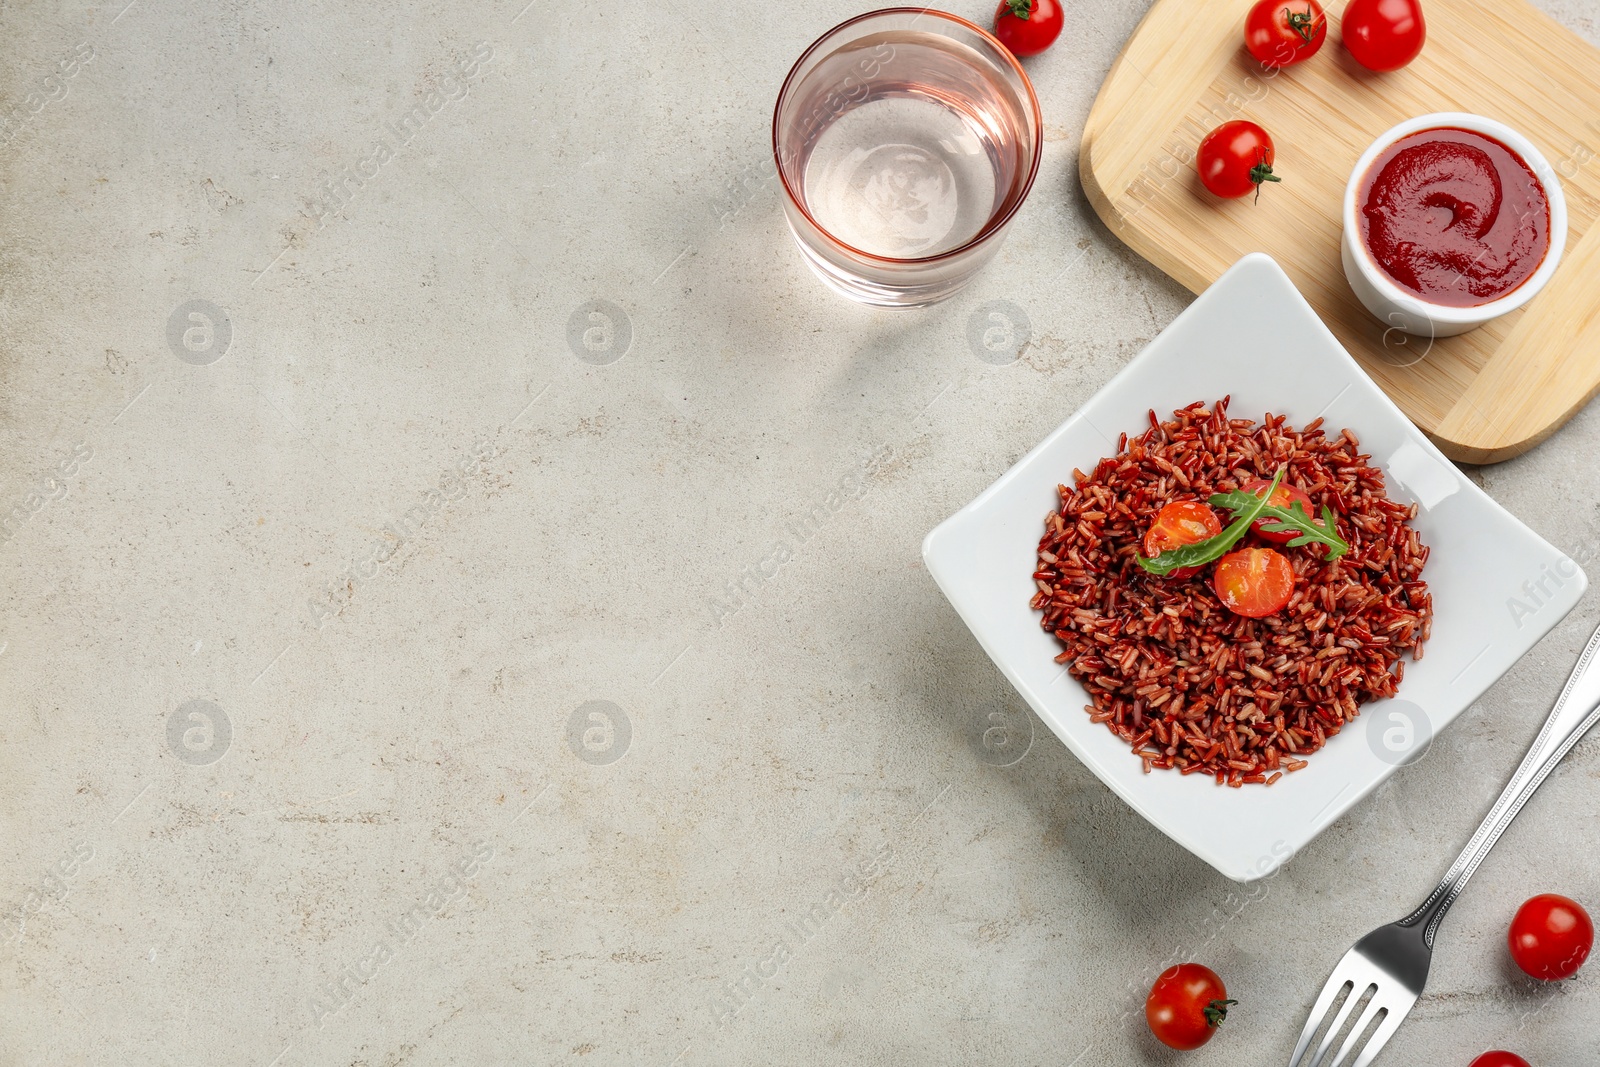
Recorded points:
(1482,396)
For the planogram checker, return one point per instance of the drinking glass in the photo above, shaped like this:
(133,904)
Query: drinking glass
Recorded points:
(906,139)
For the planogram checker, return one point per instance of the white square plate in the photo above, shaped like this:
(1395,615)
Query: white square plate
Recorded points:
(1497,586)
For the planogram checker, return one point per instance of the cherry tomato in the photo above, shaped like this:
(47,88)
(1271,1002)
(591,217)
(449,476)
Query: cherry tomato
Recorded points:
(1284,496)
(1236,158)
(1550,937)
(1281,33)
(1028,27)
(1186,1005)
(1383,35)
(1182,522)
(1254,582)
(1499,1059)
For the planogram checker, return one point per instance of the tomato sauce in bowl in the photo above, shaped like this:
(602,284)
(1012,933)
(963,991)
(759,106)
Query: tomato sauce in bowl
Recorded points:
(1454,216)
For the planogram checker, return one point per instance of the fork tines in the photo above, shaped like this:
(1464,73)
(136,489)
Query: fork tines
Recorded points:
(1361,991)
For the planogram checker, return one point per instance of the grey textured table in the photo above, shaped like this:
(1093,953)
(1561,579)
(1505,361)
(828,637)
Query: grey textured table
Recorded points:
(540,542)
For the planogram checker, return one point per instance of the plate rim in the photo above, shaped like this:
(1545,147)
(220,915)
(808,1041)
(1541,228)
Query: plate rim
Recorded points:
(934,561)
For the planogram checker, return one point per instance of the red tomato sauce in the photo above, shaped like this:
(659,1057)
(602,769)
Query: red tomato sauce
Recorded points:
(1454,216)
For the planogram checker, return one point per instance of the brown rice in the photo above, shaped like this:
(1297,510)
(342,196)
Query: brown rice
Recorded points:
(1189,684)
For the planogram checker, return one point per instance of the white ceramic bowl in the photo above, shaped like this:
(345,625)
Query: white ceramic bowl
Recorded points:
(1497,586)
(1400,308)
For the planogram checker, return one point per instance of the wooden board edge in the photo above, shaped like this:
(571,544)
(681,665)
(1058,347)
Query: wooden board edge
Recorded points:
(1482,453)
(1481,456)
(1105,201)
(1521,382)
(1132,99)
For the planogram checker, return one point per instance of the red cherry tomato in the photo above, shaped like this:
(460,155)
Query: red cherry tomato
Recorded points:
(1186,1005)
(1550,937)
(1235,158)
(1255,582)
(1028,27)
(1281,33)
(1182,522)
(1499,1059)
(1383,35)
(1285,496)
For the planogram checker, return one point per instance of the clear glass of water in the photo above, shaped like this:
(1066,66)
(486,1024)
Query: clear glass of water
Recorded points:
(906,140)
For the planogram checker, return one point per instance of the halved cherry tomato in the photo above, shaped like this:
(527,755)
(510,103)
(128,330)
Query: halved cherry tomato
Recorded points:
(1284,496)
(1550,937)
(1253,581)
(1186,1005)
(1499,1059)
(1182,522)
(1281,33)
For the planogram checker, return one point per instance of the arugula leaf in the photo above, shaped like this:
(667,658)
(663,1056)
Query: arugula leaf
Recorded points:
(1212,548)
(1292,519)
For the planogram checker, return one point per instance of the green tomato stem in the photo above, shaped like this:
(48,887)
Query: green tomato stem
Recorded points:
(1217,1011)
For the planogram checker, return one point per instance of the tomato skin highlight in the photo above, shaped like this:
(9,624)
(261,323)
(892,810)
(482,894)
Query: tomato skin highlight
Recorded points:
(1253,582)
(1032,35)
(1182,522)
(1499,1059)
(1285,496)
(1281,33)
(1235,158)
(1182,1005)
(1550,937)
(1384,35)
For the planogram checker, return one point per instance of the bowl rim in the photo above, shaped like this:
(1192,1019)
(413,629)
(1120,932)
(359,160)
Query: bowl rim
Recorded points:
(1379,279)
(995,223)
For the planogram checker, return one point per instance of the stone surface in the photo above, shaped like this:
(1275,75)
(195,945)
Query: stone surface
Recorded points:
(491,766)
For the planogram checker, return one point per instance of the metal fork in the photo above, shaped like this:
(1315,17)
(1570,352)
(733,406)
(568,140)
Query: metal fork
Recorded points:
(1386,970)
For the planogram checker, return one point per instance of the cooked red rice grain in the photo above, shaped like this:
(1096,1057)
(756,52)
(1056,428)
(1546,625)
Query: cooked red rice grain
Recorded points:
(1164,660)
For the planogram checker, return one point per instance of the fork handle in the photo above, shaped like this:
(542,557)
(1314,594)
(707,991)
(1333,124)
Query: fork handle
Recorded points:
(1577,709)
